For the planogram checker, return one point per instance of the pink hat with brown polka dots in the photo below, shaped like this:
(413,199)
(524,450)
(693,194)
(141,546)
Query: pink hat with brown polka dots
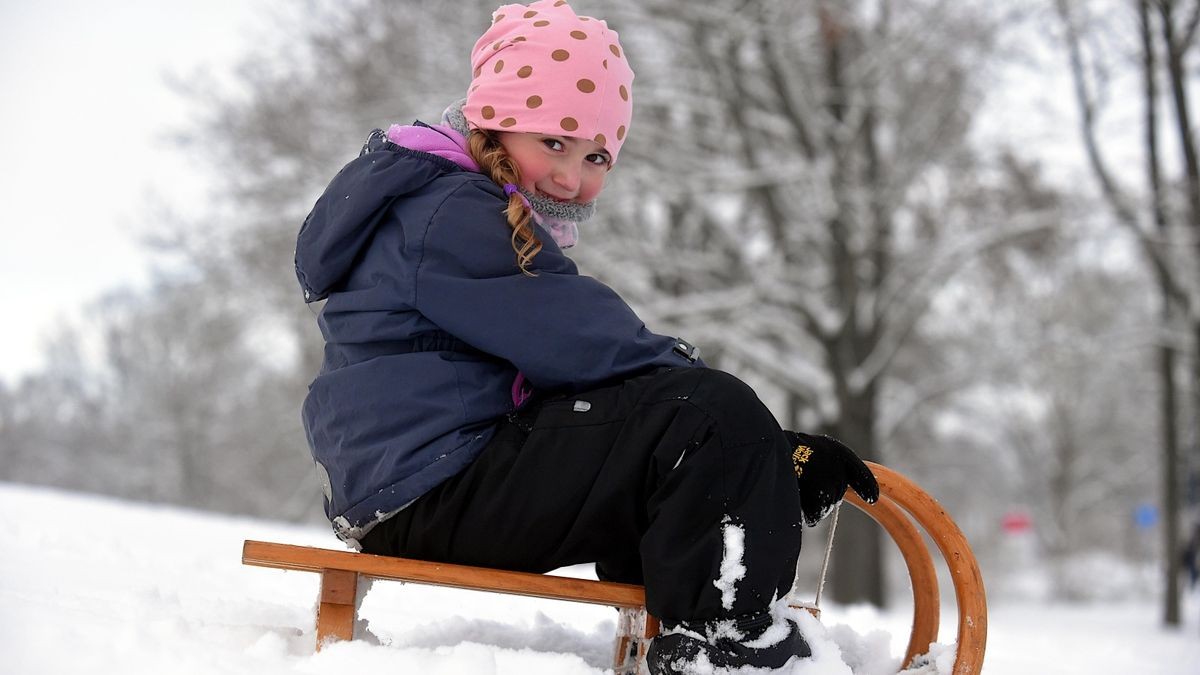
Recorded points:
(541,68)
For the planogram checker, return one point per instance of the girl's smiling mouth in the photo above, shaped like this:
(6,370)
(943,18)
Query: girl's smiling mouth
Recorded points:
(553,198)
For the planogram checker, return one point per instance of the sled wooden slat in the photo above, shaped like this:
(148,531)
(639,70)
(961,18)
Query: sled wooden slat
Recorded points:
(340,572)
(310,559)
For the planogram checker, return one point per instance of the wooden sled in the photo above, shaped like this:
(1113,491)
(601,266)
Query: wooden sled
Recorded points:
(902,506)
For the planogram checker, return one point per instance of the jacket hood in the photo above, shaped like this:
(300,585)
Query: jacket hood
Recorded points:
(343,220)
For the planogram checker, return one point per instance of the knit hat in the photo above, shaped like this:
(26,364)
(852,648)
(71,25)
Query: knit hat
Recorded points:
(540,68)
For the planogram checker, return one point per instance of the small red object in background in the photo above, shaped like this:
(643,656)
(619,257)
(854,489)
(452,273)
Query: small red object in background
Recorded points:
(1016,522)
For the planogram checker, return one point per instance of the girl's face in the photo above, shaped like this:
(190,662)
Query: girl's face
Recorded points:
(559,167)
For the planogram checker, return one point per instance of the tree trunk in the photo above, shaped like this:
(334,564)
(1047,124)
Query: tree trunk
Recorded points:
(1170,482)
(857,560)
(1172,506)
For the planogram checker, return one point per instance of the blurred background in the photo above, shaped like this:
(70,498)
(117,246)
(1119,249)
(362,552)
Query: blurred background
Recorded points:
(962,236)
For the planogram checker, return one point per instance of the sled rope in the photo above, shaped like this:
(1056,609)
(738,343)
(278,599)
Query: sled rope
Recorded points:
(828,550)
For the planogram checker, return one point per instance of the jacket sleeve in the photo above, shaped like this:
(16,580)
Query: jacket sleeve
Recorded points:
(561,329)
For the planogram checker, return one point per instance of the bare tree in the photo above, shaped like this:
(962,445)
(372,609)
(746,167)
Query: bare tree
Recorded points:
(1157,226)
(177,401)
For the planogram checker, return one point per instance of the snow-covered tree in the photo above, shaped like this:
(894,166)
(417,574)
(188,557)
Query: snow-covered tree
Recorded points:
(799,189)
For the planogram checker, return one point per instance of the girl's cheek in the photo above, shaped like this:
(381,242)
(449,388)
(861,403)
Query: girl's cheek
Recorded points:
(531,171)
(595,187)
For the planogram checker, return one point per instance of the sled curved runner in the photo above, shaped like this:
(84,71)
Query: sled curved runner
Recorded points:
(901,502)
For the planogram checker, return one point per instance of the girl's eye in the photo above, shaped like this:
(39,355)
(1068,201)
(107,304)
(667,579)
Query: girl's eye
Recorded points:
(598,159)
(553,143)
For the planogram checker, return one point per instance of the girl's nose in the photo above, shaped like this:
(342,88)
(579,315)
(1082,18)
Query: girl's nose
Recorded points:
(567,177)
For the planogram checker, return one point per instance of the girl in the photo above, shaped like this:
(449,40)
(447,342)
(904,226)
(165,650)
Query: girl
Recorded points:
(482,403)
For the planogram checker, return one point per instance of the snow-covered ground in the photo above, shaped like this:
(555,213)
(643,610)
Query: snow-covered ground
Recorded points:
(90,585)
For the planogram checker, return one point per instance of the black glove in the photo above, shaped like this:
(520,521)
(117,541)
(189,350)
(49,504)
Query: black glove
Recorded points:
(824,468)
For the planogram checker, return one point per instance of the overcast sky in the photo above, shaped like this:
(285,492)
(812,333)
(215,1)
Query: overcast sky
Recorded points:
(83,110)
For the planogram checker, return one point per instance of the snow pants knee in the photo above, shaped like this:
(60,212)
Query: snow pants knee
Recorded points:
(680,479)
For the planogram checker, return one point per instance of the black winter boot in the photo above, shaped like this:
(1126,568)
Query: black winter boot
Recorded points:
(754,641)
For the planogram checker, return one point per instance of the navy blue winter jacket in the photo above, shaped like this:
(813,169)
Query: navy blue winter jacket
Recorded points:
(427,322)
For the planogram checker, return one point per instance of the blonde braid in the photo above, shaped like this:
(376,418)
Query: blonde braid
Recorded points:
(486,150)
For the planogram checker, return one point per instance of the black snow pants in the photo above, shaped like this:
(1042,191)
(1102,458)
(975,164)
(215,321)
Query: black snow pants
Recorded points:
(658,480)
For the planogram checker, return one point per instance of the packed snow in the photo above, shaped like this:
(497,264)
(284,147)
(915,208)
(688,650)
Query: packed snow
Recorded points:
(732,569)
(91,585)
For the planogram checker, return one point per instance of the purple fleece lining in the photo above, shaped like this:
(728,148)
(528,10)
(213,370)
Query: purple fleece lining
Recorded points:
(521,390)
(436,140)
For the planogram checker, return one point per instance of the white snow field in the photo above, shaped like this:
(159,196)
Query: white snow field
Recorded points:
(92,585)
